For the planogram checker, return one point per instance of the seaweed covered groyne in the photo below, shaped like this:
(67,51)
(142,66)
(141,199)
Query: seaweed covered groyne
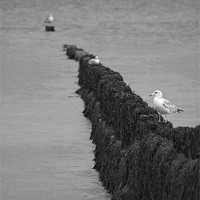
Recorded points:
(138,158)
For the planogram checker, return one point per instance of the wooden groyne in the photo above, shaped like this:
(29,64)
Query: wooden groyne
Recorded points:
(50,28)
(138,158)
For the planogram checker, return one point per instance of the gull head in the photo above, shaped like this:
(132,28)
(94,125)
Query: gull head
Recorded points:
(96,57)
(156,93)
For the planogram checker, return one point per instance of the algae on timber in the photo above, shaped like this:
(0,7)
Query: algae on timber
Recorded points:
(137,157)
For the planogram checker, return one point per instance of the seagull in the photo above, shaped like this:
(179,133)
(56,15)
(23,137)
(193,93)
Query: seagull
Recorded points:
(163,106)
(94,61)
(49,19)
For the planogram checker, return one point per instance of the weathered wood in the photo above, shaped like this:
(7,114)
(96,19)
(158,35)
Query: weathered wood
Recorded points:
(49,28)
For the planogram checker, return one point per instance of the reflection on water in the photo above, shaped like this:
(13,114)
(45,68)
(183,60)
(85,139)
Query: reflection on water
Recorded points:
(46,153)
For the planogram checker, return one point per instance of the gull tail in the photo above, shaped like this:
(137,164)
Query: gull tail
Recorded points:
(180,110)
(47,21)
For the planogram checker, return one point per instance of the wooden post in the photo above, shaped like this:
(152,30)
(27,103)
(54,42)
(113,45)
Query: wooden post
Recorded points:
(49,28)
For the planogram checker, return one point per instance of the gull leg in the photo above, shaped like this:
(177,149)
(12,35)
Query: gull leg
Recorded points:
(158,117)
(165,118)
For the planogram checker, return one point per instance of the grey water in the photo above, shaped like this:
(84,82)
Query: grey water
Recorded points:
(45,148)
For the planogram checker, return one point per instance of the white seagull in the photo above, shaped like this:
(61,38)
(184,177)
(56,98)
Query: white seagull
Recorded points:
(163,106)
(94,61)
(49,19)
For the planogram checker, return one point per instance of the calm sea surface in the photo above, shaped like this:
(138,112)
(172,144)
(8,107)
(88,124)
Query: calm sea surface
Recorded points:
(45,148)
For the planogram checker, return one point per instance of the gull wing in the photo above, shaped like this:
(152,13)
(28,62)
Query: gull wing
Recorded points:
(49,19)
(46,20)
(172,108)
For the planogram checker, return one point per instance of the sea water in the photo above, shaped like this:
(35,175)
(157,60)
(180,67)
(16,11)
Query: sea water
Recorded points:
(45,148)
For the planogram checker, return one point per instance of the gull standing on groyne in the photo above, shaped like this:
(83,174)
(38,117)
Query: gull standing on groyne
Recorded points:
(94,61)
(49,19)
(163,106)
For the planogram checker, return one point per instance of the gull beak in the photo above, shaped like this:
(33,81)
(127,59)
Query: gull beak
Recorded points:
(151,95)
